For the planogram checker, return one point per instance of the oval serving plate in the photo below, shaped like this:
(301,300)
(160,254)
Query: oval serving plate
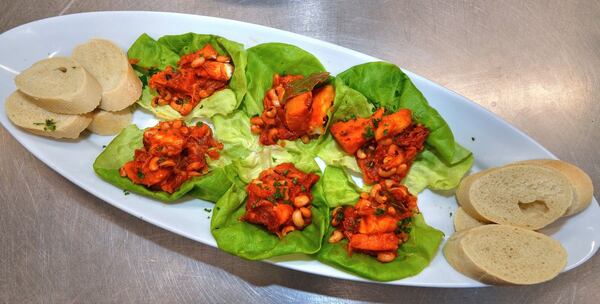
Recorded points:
(495,143)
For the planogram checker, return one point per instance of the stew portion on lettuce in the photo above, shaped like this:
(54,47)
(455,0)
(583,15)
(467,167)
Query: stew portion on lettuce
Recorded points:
(380,235)
(172,153)
(284,227)
(366,87)
(385,146)
(280,199)
(242,147)
(197,76)
(295,107)
(121,150)
(268,59)
(379,223)
(189,75)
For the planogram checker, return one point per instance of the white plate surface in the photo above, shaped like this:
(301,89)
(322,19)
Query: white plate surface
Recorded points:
(496,142)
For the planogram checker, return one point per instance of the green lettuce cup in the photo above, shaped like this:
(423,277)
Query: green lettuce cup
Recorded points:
(254,242)
(362,89)
(242,148)
(267,59)
(151,56)
(413,256)
(121,149)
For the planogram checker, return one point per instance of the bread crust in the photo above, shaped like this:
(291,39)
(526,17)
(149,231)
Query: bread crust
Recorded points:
(462,195)
(129,87)
(109,123)
(463,221)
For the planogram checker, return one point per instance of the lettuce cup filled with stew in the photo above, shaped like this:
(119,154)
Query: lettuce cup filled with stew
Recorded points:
(280,212)
(190,75)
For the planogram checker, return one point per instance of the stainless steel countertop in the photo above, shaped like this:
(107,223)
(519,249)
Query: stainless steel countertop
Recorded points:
(536,64)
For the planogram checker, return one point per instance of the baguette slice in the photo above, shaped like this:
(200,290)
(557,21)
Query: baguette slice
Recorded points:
(109,65)
(580,181)
(109,123)
(523,195)
(501,254)
(463,221)
(60,85)
(23,112)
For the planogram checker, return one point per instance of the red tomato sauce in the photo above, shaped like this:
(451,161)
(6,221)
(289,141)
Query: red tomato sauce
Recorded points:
(198,75)
(280,199)
(172,154)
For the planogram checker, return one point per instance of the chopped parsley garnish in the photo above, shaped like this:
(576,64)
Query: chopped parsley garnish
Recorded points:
(278,195)
(385,132)
(379,211)
(208,210)
(199,124)
(140,174)
(285,172)
(274,159)
(287,202)
(404,225)
(103,146)
(369,133)
(303,188)
(144,80)
(376,122)
(49,124)
(276,183)
(351,117)
(339,216)
(126,192)
(295,181)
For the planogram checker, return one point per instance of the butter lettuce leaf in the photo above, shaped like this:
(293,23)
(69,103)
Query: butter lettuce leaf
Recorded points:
(413,256)
(254,242)
(365,87)
(153,56)
(267,59)
(385,85)
(241,147)
(120,150)
(429,171)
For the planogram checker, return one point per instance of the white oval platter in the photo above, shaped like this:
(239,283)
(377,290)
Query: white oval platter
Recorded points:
(496,142)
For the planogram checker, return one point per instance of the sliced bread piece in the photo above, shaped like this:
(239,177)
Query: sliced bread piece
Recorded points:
(60,85)
(109,123)
(23,112)
(109,65)
(502,254)
(463,221)
(580,181)
(528,196)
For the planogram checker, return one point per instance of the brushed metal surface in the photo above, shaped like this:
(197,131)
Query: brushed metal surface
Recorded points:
(536,64)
